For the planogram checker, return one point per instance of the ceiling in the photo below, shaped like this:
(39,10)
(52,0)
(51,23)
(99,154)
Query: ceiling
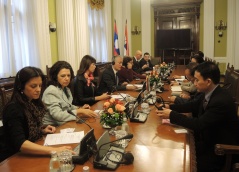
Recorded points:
(157,3)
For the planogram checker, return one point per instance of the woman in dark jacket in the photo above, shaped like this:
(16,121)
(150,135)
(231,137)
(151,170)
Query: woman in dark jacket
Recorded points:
(85,90)
(126,74)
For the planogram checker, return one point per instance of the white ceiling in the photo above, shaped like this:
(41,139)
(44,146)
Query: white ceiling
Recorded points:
(173,2)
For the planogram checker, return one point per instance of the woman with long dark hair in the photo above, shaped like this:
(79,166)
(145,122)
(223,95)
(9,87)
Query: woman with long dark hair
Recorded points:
(22,116)
(58,98)
(85,89)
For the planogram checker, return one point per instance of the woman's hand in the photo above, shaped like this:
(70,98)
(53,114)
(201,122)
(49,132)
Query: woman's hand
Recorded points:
(86,106)
(87,112)
(63,148)
(49,130)
(104,96)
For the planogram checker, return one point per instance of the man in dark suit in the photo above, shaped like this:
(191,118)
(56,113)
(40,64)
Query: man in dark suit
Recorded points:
(146,61)
(136,60)
(214,121)
(110,81)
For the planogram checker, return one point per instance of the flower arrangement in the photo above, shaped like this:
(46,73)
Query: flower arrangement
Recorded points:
(163,67)
(154,78)
(113,113)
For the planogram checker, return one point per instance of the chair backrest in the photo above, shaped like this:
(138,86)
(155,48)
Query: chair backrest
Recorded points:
(228,72)
(48,72)
(100,72)
(100,67)
(234,81)
(155,60)
(5,96)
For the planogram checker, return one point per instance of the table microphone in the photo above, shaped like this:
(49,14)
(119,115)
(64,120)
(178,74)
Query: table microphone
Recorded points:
(101,165)
(159,100)
(112,90)
(79,120)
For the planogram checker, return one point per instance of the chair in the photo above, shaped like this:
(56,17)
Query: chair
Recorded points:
(48,72)
(100,72)
(5,95)
(156,60)
(236,167)
(228,151)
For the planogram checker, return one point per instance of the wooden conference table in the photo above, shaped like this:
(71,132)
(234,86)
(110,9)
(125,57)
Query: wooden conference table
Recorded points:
(155,146)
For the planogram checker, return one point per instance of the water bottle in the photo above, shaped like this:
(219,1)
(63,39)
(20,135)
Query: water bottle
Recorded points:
(54,165)
(125,125)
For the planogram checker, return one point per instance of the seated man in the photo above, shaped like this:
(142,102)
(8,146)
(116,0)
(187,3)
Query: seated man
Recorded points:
(110,81)
(187,86)
(146,61)
(136,66)
(214,120)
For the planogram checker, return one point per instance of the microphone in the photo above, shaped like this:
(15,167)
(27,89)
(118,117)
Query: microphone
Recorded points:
(103,165)
(79,120)
(113,89)
(159,100)
(149,96)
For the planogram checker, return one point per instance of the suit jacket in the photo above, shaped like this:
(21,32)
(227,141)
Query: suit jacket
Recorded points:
(143,62)
(217,124)
(108,82)
(58,104)
(136,66)
(83,94)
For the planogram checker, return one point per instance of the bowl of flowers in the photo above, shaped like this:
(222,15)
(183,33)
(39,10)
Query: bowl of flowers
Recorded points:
(112,114)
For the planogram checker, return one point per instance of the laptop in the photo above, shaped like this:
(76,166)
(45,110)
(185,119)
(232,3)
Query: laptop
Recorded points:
(109,155)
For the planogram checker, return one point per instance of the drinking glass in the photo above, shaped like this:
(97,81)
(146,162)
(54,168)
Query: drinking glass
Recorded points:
(65,158)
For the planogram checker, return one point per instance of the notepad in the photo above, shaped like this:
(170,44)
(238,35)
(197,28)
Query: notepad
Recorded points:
(176,88)
(63,138)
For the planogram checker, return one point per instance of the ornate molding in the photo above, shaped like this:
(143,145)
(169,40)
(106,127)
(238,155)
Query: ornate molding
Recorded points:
(176,11)
(96,4)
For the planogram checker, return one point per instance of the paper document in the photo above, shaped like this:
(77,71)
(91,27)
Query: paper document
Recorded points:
(63,138)
(176,88)
(120,96)
(140,86)
(179,80)
(1,124)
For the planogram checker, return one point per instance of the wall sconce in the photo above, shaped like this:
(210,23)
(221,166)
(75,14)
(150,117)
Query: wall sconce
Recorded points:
(52,27)
(136,30)
(220,26)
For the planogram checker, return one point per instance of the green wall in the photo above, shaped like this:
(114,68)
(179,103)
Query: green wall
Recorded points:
(53,35)
(220,43)
(152,31)
(136,21)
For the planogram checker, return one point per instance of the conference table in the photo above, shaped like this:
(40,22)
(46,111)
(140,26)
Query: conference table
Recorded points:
(156,146)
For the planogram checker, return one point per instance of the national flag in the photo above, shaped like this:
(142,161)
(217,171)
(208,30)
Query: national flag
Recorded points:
(116,44)
(126,45)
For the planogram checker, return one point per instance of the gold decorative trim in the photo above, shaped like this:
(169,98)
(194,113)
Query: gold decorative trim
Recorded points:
(96,4)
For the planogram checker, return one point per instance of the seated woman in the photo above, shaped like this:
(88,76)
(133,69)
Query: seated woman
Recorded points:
(85,90)
(22,116)
(58,98)
(126,74)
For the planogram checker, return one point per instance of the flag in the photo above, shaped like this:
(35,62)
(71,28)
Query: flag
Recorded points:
(126,45)
(116,44)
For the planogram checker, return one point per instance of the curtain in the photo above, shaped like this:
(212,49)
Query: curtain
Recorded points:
(99,28)
(24,36)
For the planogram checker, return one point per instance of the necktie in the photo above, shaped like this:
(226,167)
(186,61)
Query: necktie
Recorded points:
(205,102)
(116,78)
